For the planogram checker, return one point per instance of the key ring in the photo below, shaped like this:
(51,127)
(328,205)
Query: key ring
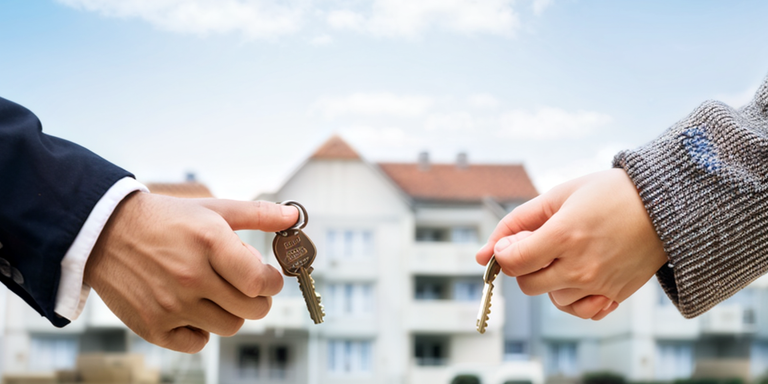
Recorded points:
(303,218)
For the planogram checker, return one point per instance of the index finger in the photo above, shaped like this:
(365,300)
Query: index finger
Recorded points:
(261,215)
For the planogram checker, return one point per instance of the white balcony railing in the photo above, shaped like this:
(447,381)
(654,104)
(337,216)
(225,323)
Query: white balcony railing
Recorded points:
(452,316)
(733,319)
(445,258)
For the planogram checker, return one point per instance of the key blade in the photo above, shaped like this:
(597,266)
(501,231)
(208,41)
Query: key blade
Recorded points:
(485,308)
(311,297)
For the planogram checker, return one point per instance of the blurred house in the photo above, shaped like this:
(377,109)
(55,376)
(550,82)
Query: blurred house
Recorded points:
(401,290)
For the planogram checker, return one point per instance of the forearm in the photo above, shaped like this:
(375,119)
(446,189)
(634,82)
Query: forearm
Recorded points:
(704,185)
(49,187)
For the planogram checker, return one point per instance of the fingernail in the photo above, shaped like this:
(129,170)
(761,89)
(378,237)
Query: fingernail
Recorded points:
(288,210)
(502,245)
(610,302)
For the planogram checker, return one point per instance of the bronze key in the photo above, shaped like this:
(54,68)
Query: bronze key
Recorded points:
(295,252)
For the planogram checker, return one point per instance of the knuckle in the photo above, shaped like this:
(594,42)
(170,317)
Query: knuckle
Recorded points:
(169,303)
(262,307)
(525,286)
(254,287)
(188,277)
(232,328)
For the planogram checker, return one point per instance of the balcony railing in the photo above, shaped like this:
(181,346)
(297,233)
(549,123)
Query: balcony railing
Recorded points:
(733,319)
(445,258)
(452,316)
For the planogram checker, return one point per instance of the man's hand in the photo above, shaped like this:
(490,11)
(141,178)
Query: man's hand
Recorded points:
(589,243)
(174,270)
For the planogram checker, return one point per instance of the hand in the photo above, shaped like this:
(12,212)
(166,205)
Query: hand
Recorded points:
(589,243)
(174,270)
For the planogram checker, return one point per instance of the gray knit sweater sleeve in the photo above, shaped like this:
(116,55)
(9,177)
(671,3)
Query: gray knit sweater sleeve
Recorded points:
(704,183)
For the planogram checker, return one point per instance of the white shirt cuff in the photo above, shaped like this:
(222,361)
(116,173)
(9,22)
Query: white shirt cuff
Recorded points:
(72,293)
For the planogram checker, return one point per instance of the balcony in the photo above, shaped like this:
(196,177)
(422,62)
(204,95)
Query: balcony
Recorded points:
(733,319)
(450,316)
(286,313)
(443,258)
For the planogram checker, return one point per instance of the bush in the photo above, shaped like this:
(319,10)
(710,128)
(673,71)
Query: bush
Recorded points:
(466,379)
(734,380)
(603,378)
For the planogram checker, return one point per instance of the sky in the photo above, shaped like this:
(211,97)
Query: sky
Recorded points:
(241,92)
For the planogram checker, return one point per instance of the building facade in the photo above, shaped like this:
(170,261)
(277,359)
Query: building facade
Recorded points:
(401,291)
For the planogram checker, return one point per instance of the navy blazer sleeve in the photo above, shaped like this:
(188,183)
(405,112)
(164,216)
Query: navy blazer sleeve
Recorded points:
(48,187)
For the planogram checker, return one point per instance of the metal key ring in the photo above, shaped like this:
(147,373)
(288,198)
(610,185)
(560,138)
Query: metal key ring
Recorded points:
(303,217)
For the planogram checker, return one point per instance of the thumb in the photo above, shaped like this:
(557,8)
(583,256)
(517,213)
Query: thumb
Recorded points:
(261,215)
(186,339)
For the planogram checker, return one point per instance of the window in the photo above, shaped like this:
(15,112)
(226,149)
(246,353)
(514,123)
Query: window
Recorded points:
(468,290)
(432,234)
(350,356)
(50,353)
(350,243)
(673,361)
(464,235)
(458,234)
(350,299)
(431,288)
(278,362)
(561,359)
(248,361)
(515,350)
(430,350)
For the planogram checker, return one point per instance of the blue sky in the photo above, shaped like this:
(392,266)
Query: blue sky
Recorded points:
(241,92)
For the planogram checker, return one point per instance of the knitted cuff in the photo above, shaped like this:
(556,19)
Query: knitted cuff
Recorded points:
(704,183)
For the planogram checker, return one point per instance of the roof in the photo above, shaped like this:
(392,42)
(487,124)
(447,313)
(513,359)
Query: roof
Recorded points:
(474,182)
(187,189)
(335,149)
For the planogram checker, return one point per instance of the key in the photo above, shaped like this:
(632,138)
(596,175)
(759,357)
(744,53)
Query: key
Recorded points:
(491,271)
(295,252)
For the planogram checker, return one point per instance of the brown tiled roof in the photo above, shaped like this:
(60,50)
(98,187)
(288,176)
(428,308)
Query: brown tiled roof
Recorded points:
(188,189)
(335,149)
(447,182)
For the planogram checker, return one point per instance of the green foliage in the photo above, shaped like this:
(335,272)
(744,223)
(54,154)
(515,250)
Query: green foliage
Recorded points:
(734,380)
(602,378)
(466,379)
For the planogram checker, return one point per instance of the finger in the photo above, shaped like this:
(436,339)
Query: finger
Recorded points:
(237,265)
(261,215)
(533,252)
(567,296)
(587,307)
(235,302)
(185,339)
(515,238)
(528,216)
(605,312)
(210,317)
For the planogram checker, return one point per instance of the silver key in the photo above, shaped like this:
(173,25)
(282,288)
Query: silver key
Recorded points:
(295,252)
(491,271)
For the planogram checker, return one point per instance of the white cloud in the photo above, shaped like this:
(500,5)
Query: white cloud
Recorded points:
(540,5)
(456,121)
(371,104)
(265,19)
(252,18)
(346,19)
(410,18)
(321,40)
(483,100)
(551,123)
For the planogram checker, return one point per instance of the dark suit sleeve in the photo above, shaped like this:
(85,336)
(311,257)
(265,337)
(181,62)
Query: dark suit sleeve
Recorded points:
(48,187)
